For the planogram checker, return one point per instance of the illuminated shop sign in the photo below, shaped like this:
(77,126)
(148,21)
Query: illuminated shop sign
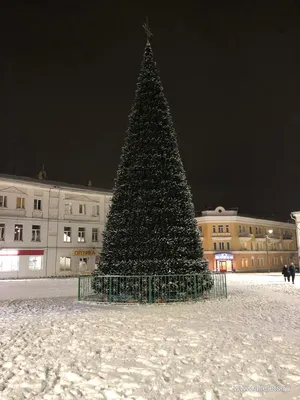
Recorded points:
(83,253)
(13,252)
(224,256)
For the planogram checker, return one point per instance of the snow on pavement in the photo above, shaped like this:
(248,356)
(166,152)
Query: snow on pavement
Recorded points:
(37,288)
(55,349)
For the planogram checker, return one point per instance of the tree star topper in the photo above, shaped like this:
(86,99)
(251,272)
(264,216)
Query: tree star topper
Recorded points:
(147,30)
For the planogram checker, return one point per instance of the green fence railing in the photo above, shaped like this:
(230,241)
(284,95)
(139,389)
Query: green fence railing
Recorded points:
(151,288)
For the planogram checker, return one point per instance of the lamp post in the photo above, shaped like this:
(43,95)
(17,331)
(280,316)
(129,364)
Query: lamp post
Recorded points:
(268,232)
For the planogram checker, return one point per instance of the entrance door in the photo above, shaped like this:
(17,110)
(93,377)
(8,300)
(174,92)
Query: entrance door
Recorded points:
(224,266)
(83,265)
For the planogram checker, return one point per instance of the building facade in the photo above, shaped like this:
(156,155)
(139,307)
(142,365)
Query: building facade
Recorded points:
(236,243)
(49,228)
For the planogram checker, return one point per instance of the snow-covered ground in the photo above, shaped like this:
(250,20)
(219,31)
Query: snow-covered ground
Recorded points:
(57,349)
(37,288)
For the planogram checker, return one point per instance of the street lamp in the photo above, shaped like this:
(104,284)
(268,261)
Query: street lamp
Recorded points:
(268,232)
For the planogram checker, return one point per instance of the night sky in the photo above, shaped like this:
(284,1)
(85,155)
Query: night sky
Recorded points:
(231,74)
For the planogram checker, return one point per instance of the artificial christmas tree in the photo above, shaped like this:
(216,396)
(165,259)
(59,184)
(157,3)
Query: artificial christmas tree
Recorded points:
(151,227)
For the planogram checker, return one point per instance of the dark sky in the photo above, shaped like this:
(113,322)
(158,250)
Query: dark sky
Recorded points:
(231,73)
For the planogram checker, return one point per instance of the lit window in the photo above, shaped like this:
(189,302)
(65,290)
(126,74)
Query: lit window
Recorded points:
(2,232)
(65,263)
(37,204)
(3,201)
(94,234)
(36,233)
(67,234)
(20,203)
(18,236)
(35,263)
(9,263)
(81,235)
(82,209)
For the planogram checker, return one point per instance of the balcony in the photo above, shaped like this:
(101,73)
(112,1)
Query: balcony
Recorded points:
(245,236)
(260,237)
(274,237)
(221,235)
(82,217)
(12,212)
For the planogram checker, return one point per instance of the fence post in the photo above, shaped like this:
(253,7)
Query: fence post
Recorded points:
(195,287)
(150,298)
(110,289)
(78,288)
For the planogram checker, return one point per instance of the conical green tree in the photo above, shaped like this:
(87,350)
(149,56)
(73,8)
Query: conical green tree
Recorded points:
(151,226)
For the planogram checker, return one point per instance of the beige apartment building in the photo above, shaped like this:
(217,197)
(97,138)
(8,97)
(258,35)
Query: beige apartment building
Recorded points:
(236,243)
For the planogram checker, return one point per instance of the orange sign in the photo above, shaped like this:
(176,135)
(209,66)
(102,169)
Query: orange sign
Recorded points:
(83,253)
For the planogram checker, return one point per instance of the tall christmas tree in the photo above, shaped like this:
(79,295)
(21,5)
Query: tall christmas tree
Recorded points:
(151,226)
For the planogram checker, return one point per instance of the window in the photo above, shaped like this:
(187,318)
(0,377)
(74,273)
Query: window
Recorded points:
(252,262)
(36,233)
(67,234)
(220,228)
(227,228)
(65,263)
(18,237)
(9,263)
(96,210)
(35,263)
(244,262)
(215,246)
(94,234)
(214,228)
(221,245)
(2,232)
(3,201)
(250,230)
(240,229)
(68,208)
(82,209)
(260,262)
(37,204)
(251,246)
(81,235)
(20,203)
(228,246)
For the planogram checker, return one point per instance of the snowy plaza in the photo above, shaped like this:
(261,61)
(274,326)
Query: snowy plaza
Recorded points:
(55,348)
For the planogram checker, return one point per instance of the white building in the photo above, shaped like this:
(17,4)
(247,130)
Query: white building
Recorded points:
(49,228)
(295,215)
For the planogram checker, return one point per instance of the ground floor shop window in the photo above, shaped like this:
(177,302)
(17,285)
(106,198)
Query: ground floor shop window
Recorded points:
(35,263)
(9,263)
(83,264)
(65,263)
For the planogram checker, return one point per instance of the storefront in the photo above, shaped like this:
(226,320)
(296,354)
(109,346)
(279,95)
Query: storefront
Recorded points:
(84,260)
(19,263)
(224,262)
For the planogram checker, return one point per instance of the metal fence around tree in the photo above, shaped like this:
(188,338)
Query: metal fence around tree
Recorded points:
(151,288)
